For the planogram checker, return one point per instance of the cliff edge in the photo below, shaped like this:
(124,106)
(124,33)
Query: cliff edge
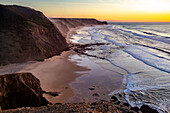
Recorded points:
(26,34)
(65,24)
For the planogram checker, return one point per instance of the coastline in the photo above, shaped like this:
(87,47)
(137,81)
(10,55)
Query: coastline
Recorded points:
(69,74)
(58,73)
(72,32)
(103,68)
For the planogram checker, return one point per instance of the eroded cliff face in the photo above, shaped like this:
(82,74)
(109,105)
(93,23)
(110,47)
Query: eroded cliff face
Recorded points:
(26,34)
(65,24)
(20,90)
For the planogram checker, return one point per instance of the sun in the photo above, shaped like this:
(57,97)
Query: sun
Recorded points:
(154,6)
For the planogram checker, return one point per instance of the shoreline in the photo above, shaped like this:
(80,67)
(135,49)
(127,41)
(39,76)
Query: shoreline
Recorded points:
(68,85)
(58,73)
(82,51)
(72,32)
(64,74)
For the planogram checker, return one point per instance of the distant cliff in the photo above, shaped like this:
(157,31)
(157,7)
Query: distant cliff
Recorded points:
(26,34)
(65,24)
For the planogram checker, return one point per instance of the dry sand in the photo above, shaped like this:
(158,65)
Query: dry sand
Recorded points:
(54,73)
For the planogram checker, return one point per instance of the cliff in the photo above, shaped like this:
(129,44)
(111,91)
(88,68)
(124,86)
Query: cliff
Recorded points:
(65,24)
(26,34)
(20,90)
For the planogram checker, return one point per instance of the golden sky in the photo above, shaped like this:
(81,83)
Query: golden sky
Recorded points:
(113,10)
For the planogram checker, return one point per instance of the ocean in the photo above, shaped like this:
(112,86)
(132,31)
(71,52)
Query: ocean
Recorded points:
(138,51)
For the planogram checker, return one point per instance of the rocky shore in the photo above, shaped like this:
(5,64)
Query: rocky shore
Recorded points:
(23,92)
(102,106)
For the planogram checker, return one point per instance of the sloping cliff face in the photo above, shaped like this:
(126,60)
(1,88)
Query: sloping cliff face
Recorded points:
(20,90)
(65,24)
(26,34)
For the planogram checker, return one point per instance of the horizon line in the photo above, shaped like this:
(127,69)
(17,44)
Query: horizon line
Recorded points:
(116,21)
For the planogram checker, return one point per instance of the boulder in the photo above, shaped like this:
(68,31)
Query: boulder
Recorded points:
(147,109)
(20,90)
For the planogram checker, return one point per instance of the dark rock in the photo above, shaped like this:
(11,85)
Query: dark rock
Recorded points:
(120,95)
(54,94)
(96,95)
(147,109)
(94,103)
(91,88)
(117,103)
(136,109)
(58,104)
(93,107)
(20,90)
(114,99)
(126,104)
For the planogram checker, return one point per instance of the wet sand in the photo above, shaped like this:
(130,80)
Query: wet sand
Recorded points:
(96,84)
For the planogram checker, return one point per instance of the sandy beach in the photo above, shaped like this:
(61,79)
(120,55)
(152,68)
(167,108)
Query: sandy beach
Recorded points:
(69,75)
(54,73)
(75,77)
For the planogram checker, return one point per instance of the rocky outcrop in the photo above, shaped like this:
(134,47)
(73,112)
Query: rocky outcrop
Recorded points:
(95,107)
(26,34)
(20,90)
(147,109)
(65,24)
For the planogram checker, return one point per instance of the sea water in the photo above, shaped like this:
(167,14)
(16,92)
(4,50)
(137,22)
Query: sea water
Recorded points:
(141,52)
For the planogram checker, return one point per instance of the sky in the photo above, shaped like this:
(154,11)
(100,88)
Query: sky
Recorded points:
(109,10)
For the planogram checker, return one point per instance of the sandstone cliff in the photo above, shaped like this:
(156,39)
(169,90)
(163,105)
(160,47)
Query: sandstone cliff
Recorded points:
(26,34)
(20,90)
(65,24)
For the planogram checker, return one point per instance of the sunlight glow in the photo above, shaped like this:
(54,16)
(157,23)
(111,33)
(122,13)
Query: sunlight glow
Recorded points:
(115,10)
(154,6)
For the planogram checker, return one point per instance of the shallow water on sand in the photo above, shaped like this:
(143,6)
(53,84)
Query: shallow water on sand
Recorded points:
(98,81)
(140,52)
